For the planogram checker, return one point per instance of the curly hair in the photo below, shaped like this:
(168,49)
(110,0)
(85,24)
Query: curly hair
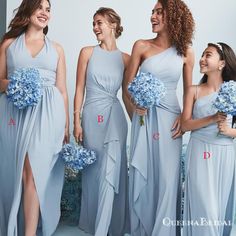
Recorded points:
(19,23)
(112,17)
(180,24)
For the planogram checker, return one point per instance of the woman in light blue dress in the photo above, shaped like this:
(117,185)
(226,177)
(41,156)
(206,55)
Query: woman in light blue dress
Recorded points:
(104,206)
(156,146)
(211,160)
(31,175)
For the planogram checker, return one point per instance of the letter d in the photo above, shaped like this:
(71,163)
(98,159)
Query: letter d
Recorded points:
(206,155)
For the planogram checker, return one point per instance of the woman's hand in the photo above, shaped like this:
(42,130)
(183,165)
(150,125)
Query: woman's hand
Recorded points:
(78,133)
(67,136)
(224,128)
(219,117)
(176,128)
(141,111)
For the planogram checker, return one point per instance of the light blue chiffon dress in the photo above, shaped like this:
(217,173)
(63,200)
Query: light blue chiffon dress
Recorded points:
(104,206)
(210,177)
(155,155)
(38,131)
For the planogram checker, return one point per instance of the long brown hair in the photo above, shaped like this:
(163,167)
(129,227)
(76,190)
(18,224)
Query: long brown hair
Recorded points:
(20,22)
(180,24)
(229,70)
(227,54)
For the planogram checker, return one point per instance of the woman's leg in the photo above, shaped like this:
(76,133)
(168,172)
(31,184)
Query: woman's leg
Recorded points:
(31,201)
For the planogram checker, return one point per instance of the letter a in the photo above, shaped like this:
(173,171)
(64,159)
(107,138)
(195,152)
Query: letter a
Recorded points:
(11,122)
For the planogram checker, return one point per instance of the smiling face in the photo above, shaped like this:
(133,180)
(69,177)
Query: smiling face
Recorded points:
(102,28)
(158,19)
(210,61)
(41,16)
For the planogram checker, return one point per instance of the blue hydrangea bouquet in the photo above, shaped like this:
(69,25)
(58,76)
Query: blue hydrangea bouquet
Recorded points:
(24,88)
(76,157)
(146,91)
(226,98)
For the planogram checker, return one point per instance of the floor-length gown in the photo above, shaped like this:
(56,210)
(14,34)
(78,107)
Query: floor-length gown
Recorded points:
(37,131)
(209,204)
(155,155)
(104,206)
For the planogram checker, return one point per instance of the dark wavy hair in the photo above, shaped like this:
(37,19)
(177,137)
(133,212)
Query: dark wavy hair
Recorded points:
(112,17)
(229,70)
(227,54)
(180,24)
(19,23)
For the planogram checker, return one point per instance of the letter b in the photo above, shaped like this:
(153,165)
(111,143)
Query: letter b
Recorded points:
(100,119)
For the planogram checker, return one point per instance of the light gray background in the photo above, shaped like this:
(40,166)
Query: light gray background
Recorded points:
(71,26)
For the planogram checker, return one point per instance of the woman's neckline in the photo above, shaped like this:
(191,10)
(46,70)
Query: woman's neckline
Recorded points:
(28,51)
(156,55)
(108,51)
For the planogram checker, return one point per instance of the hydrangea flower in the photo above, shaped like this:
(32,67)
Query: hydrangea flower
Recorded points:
(146,91)
(76,157)
(25,87)
(226,98)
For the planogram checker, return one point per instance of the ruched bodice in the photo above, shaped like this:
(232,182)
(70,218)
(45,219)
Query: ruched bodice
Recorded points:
(103,79)
(169,72)
(203,107)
